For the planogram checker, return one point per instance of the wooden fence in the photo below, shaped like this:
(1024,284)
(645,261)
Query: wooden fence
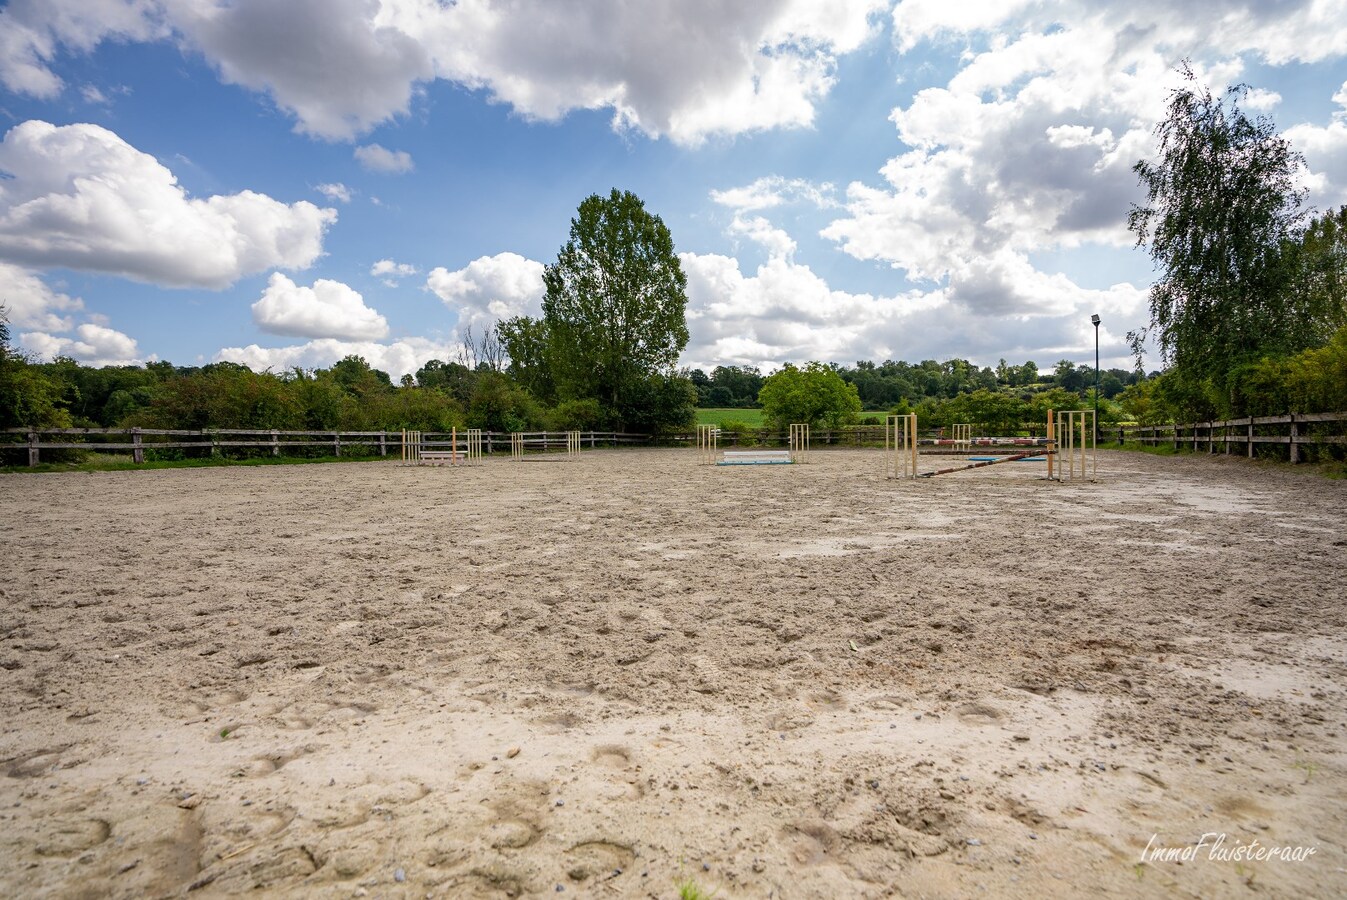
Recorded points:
(220,441)
(1231,436)
(851,436)
(1292,431)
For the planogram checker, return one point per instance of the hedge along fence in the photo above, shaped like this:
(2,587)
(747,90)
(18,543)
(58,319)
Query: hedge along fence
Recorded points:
(242,443)
(1299,437)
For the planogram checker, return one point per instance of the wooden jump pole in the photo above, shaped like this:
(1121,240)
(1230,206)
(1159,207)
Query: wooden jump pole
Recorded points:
(900,446)
(982,464)
(411,448)
(799,442)
(572,444)
(1076,446)
(1051,445)
(708,444)
(516,446)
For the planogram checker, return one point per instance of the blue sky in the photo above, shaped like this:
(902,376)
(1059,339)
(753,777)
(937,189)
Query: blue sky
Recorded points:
(283,184)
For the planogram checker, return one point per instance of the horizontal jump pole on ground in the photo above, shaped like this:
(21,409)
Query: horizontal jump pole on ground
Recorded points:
(981,465)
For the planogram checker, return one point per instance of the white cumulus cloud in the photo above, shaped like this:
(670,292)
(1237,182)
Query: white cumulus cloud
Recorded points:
(329,309)
(380,159)
(391,271)
(30,303)
(687,69)
(490,288)
(772,191)
(95,345)
(79,196)
(336,191)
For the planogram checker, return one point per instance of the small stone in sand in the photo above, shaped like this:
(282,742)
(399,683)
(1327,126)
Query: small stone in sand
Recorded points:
(512,753)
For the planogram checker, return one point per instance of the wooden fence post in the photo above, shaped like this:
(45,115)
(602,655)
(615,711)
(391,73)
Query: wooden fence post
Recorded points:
(1295,433)
(275,444)
(1250,442)
(383,444)
(336,443)
(138,451)
(32,448)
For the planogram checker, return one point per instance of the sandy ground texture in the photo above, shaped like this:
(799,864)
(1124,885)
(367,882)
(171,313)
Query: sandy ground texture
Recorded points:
(611,676)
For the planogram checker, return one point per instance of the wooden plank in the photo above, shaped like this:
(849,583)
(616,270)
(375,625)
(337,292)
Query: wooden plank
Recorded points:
(115,446)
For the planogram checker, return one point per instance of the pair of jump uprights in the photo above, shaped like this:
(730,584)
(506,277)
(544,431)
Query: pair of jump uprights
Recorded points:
(709,452)
(415,452)
(1070,438)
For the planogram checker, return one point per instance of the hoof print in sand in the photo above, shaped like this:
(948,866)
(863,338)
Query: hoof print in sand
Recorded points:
(598,861)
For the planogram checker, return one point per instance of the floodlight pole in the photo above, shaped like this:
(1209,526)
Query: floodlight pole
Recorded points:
(1095,320)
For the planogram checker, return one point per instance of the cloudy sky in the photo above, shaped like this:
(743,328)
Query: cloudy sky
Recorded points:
(282,184)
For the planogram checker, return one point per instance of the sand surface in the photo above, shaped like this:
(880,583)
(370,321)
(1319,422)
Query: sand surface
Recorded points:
(608,676)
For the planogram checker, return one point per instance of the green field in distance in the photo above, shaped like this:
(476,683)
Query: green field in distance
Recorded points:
(750,417)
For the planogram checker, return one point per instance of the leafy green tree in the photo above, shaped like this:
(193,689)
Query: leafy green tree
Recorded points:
(576,415)
(616,304)
(1222,208)
(702,383)
(1054,398)
(498,404)
(815,394)
(454,379)
(1320,288)
(1070,377)
(1025,374)
(419,408)
(719,397)
(739,385)
(659,403)
(989,412)
(526,343)
(358,377)
(28,396)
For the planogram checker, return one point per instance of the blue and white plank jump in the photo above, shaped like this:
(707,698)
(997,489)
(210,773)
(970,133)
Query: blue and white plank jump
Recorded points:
(755,458)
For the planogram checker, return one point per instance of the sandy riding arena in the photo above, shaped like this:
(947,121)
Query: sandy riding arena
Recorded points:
(617,675)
